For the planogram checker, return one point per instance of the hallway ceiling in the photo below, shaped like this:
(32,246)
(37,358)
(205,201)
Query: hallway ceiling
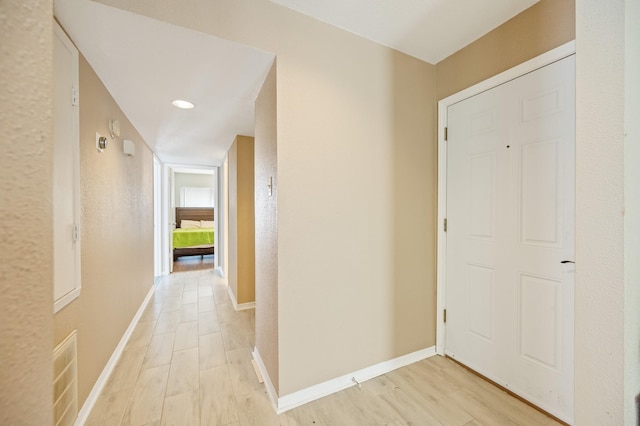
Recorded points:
(145,64)
(429,30)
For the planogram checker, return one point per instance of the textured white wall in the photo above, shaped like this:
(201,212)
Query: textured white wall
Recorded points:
(632,212)
(599,325)
(26,269)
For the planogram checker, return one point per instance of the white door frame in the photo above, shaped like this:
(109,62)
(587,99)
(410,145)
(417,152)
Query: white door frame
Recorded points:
(547,58)
(157,218)
(169,209)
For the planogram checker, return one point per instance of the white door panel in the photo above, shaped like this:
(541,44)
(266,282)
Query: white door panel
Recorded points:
(510,217)
(66,172)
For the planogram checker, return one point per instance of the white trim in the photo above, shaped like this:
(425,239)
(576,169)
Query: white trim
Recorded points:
(545,59)
(66,299)
(441,267)
(158,269)
(321,390)
(70,296)
(271,390)
(241,306)
(91,400)
(533,64)
(219,270)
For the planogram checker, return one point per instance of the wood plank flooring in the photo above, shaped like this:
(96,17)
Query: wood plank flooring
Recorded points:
(193,263)
(188,362)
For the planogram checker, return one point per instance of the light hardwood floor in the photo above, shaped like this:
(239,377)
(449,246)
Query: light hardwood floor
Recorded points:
(188,362)
(193,263)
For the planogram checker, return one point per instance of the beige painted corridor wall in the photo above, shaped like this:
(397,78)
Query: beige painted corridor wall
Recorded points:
(266,149)
(545,25)
(25,118)
(241,220)
(356,187)
(116,233)
(26,169)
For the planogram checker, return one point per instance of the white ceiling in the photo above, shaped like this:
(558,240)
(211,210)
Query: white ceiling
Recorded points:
(429,30)
(145,63)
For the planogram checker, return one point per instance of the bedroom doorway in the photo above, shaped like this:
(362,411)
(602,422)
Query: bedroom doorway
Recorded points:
(192,204)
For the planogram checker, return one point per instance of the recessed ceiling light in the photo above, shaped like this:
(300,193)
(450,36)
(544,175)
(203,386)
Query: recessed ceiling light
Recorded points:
(183,104)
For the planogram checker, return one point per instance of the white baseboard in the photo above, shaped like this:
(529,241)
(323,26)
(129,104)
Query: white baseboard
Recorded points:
(90,402)
(241,306)
(301,397)
(271,390)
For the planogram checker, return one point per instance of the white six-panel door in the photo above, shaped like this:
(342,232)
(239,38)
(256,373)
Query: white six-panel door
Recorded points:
(510,213)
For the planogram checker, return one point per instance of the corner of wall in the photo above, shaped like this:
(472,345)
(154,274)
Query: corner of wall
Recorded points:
(26,159)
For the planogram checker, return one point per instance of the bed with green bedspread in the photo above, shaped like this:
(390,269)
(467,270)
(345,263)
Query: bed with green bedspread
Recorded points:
(193,241)
(192,237)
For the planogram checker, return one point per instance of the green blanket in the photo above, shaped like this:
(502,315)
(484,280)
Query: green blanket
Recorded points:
(192,237)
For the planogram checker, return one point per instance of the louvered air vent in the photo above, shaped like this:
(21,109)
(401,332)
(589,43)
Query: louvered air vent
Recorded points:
(65,383)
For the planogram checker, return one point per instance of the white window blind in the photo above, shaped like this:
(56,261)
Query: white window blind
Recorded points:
(196,197)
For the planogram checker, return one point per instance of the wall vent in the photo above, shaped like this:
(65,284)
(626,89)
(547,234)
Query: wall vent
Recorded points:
(65,382)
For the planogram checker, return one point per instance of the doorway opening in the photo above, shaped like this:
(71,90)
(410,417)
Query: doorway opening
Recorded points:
(193,201)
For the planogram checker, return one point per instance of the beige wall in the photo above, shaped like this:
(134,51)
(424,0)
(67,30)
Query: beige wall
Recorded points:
(26,121)
(599,331)
(266,167)
(356,183)
(241,220)
(26,160)
(632,212)
(232,224)
(116,233)
(246,221)
(545,25)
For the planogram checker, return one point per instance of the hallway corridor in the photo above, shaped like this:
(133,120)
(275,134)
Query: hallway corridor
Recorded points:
(188,362)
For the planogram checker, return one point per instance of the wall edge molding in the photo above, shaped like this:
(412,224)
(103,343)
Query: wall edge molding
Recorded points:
(219,271)
(271,390)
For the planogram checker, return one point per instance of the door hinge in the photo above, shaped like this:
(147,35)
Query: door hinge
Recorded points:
(445,225)
(446,133)
(75,96)
(445,315)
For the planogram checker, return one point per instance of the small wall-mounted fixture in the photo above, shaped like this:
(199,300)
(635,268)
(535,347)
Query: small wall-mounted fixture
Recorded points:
(129,148)
(114,128)
(101,142)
